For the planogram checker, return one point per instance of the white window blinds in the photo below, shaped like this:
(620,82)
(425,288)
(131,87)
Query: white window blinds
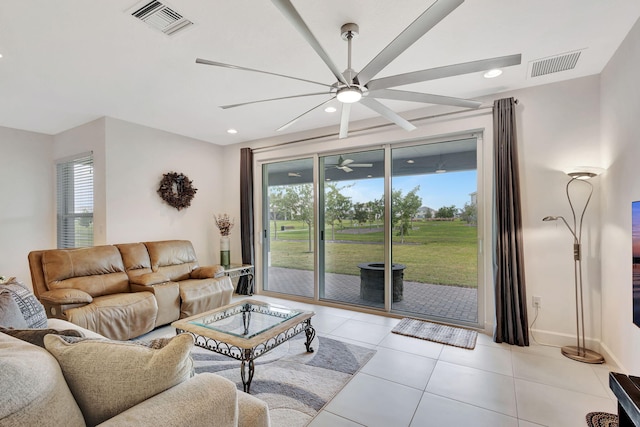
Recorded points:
(75,201)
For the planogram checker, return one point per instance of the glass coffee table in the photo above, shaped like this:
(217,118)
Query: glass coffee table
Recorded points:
(246,330)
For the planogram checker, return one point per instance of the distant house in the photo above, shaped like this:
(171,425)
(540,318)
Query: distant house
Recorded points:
(424,212)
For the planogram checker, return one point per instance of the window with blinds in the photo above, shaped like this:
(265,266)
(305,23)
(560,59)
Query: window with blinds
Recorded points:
(75,201)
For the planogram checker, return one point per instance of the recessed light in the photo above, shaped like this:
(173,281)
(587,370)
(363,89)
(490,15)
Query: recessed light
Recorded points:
(0,55)
(232,131)
(410,162)
(492,73)
(330,109)
(369,176)
(441,170)
(327,179)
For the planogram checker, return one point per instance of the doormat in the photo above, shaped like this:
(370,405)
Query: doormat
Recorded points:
(295,384)
(602,419)
(443,334)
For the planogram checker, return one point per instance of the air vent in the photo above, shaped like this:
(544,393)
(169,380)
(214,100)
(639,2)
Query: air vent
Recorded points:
(554,64)
(161,17)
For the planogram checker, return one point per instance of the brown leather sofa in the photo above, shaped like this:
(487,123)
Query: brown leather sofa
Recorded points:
(126,290)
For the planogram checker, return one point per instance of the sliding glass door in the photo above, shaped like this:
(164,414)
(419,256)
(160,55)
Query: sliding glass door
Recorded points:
(435,230)
(393,228)
(352,227)
(288,234)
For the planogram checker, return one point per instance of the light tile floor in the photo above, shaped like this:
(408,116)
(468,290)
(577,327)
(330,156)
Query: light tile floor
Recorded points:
(417,383)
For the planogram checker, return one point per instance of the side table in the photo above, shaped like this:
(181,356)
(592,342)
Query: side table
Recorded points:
(237,270)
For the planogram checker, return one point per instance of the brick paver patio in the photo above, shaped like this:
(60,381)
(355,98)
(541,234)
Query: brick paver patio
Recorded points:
(448,302)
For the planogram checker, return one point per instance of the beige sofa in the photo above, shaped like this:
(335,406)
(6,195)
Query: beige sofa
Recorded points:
(35,393)
(126,290)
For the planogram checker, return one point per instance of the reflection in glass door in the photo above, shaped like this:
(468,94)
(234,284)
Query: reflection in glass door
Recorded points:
(435,230)
(288,234)
(351,218)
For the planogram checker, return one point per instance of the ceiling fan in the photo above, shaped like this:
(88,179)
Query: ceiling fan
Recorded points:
(353,87)
(347,165)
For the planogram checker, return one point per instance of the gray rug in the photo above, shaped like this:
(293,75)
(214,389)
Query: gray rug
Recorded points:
(295,384)
(444,334)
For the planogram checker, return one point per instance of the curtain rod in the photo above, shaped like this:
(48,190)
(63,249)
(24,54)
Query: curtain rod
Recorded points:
(313,138)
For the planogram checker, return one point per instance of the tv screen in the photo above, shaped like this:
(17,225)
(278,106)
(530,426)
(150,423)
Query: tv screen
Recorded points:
(635,233)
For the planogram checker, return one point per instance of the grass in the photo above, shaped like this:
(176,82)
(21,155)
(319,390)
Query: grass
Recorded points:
(437,252)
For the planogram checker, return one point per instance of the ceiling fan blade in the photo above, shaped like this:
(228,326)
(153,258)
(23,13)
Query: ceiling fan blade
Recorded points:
(401,95)
(286,125)
(346,162)
(346,168)
(224,107)
(361,165)
(429,18)
(236,67)
(344,121)
(446,71)
(296,20)
(387,113)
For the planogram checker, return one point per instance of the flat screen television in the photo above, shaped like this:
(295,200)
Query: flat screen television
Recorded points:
(635,233)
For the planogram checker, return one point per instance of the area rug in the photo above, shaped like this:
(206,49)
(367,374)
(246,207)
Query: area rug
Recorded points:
(295,384)
(602,419)
(443,334)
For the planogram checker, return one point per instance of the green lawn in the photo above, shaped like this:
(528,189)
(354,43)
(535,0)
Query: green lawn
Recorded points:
(438,252)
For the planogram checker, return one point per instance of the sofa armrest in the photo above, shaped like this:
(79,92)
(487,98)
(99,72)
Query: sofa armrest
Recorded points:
(200,401)
(66,296)
(207,272)
(252,412)
(148,279)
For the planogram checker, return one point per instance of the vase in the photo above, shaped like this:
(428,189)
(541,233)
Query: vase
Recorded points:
(225,251)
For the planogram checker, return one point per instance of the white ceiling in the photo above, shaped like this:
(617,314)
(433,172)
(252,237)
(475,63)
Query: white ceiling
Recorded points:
(67,62)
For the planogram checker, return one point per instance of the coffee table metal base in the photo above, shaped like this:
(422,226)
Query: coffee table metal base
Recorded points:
(248,355)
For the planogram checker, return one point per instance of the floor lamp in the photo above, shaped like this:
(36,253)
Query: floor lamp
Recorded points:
(579,351)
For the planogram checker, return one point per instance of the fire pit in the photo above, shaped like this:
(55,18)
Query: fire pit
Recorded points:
(372,281)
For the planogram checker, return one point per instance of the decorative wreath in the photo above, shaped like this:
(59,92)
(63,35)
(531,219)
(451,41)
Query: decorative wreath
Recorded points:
(177,190)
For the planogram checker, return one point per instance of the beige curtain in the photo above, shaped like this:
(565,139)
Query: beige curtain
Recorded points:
(245,283)
(510,290)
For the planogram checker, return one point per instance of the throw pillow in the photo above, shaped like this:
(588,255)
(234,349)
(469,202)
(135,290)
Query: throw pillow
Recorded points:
(109,377)
(32,311)
(10,314)
(36,336)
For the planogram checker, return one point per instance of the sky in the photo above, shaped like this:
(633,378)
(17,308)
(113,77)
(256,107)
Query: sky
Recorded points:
(436,190)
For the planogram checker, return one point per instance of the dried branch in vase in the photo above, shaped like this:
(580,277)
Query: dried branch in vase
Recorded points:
(224,224)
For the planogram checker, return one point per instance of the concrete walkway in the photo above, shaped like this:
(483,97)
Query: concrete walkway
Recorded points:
(419,299)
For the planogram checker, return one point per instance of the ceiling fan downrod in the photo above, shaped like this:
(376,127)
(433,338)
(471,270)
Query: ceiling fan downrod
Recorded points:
(352,92)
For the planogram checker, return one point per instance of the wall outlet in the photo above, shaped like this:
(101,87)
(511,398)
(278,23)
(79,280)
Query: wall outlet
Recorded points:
(537,302)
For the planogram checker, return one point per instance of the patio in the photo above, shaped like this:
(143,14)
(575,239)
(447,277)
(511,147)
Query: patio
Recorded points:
(419,299)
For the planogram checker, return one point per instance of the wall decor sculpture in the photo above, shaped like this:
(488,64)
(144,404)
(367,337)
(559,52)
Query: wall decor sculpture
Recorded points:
(177,190)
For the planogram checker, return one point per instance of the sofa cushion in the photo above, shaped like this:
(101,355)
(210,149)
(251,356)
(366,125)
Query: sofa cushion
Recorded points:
(119,316)
(10,314)
(97,270)
(173,258)
(33,390)
(207,272)
(122,374)
(32,311)
(66,296)
(36,336)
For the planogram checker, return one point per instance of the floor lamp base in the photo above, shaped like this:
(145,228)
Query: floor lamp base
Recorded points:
(582,355)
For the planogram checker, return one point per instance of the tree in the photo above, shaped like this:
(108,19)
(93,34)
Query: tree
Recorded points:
(469,213)
(447,212)
(375,210)
(360,213)
(276,205)
(299,201)
(404,208)
(337,205)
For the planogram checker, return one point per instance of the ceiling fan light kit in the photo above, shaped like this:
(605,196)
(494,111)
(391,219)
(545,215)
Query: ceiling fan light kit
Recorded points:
(360,87)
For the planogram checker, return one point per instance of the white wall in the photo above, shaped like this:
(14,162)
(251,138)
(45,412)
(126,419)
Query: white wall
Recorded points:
(558,129)
(136,159)
(26,199)
(620,109)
